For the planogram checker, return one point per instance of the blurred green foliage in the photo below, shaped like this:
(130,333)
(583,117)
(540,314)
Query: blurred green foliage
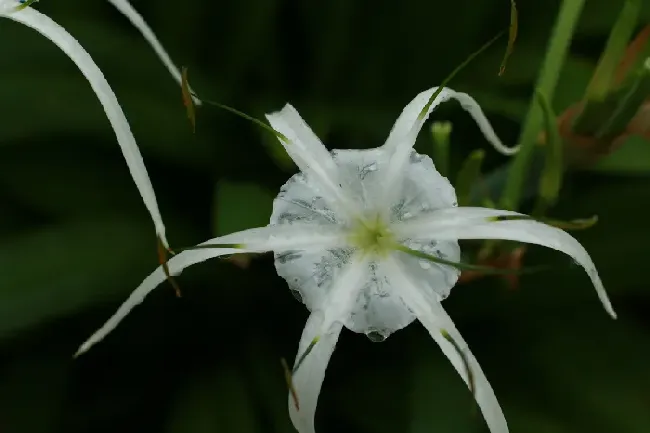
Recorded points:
(76,239)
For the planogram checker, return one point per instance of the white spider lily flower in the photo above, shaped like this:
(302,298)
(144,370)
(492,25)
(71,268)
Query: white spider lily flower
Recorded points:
(30,17)
(139,23)
(338,230)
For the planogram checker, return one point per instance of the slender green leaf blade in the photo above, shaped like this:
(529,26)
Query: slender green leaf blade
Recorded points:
(567,19)
(512,36)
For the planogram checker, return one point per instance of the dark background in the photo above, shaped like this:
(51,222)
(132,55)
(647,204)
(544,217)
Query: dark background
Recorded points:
(76,239)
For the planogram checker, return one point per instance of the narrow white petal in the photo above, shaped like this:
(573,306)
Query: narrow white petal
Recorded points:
(311,156)
(473,223)
(176,265)
(409,119)
(431,223)
(435,319)
(407,127)
(308,380)
(69,45)
(139,23)
(8,6)
(324,323)
(276,238)
(284,237)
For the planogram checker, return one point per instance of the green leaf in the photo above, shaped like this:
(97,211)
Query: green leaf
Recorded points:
(627,101)
(240,206)
(62,268)
(577,224)
(599,16)
(551,180)
(214,401)
(524,68)
(277,152)
(632,158)
(512,36)
(619,37)
(188,101)
(608,118)
(613,244)
(546,84)
(25,4)
(488,270)
(468,176)
(440,132)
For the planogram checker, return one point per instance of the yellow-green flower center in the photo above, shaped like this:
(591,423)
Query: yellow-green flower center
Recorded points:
(372,236)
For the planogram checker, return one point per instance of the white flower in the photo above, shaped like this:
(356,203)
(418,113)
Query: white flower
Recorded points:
(30,17)
(335,230)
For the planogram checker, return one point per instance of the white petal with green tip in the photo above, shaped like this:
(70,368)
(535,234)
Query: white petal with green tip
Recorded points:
(477,223)
(69,45)
(435,319)
(324,324)
(310,155)
(402,137)
(139,23)
(276,238)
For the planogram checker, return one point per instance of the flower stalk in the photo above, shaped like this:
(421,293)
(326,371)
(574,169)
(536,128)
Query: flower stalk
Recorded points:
(567,19)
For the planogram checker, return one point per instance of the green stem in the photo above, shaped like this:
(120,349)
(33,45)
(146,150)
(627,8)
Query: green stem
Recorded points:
(619,37)
(546,83)
(488,270)
(440,132)
(551,180)
(469,175)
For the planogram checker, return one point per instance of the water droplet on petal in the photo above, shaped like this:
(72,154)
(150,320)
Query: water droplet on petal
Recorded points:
(376,336)
(424,264)
(296,294)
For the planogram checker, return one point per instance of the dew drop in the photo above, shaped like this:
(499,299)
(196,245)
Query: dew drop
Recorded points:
(376,336)
(296,294)
(424,264)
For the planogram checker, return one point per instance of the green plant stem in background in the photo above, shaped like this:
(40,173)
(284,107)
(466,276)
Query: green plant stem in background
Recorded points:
(619,37)
(488,270)
(546,83)
(629,99)
(598,101)
(604,119)
(551,180)
(469,175)
(440,131)
(512,36)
